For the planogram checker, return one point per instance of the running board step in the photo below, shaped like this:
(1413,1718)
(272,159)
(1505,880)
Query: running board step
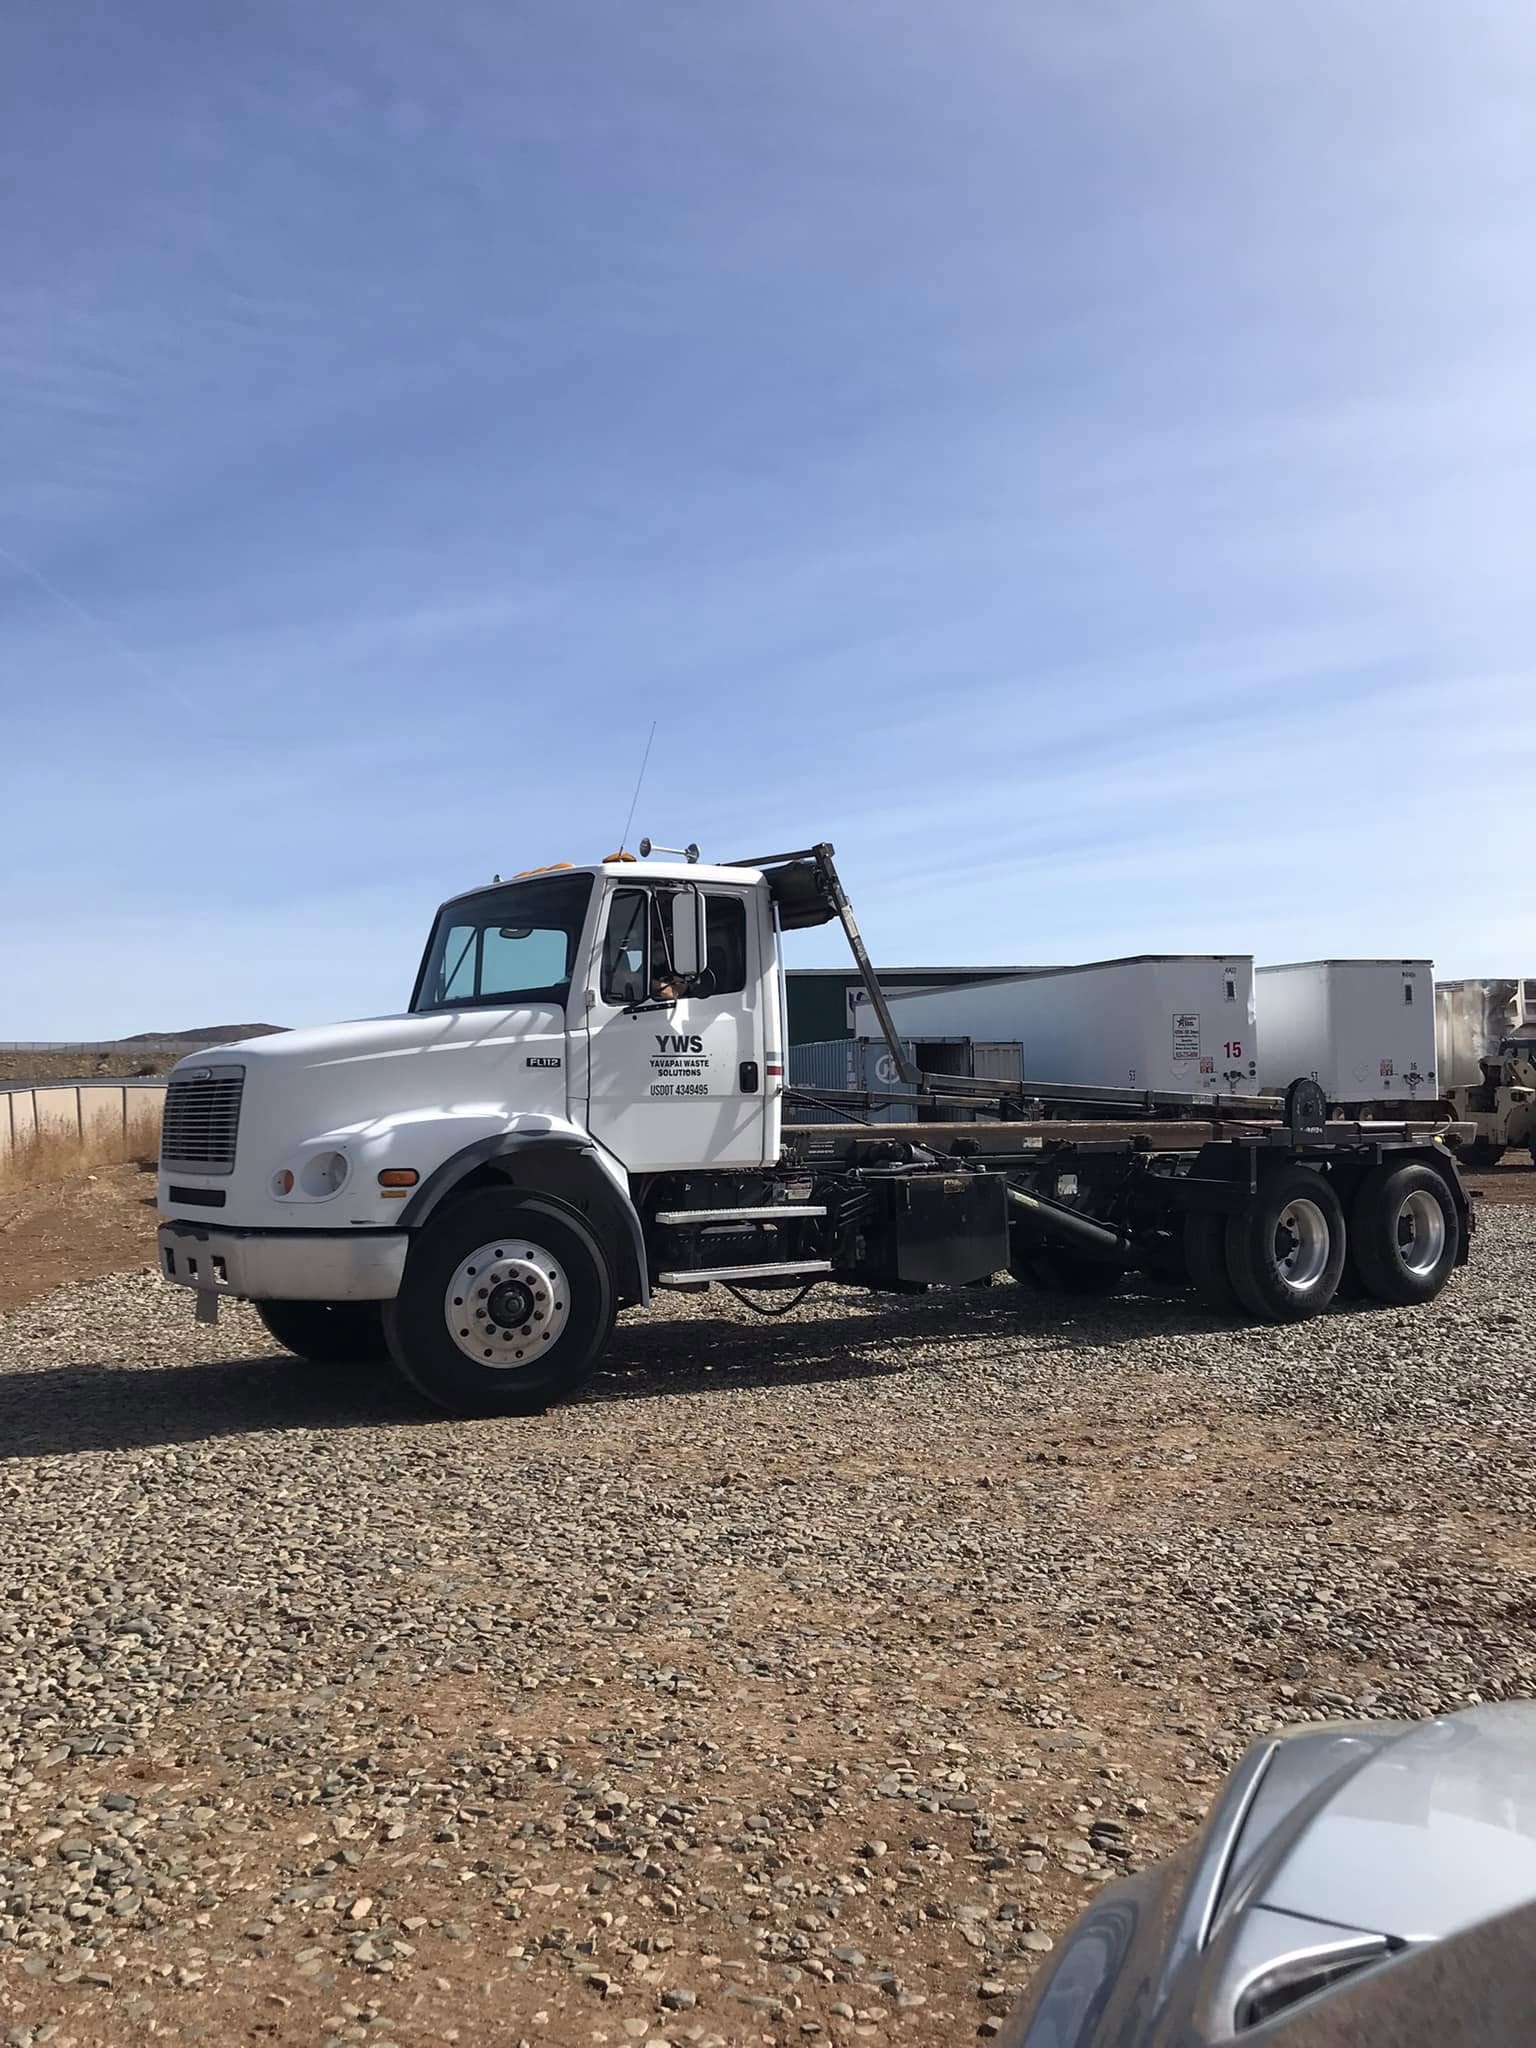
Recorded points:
(790,1269)
(769,1214)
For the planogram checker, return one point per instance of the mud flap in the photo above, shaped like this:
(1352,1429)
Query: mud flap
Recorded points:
(207,1305)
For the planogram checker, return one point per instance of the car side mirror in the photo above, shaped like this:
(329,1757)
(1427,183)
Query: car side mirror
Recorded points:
(689,948)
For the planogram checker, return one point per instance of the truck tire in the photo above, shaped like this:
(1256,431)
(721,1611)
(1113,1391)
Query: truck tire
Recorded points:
(325,1332)
(505,1306)
(1205,1259)
(1404,1233)
(1285,1247)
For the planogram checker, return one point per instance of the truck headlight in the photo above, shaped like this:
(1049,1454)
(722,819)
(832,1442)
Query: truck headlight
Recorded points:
(323,1173)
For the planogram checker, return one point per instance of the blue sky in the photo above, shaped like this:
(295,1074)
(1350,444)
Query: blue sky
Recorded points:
(1079,458)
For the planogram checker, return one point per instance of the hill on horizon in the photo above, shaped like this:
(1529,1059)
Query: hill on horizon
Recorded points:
(208,1034)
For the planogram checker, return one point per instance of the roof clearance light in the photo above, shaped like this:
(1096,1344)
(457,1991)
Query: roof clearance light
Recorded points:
(553,868)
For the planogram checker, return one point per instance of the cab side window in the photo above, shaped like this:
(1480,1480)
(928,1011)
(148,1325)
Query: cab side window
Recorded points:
(725,930)
(637,944)
(625,979)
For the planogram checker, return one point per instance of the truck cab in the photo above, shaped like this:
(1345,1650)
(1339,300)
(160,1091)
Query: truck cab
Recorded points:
(652,990)
(574,1034)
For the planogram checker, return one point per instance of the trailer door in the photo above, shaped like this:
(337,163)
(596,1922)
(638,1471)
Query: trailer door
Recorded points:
(677,1083)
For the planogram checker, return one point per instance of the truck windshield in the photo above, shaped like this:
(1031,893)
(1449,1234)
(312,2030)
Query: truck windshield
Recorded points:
(511,944)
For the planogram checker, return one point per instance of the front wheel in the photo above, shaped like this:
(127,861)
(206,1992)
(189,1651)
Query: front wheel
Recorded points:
(1285,1247)
(326,1332)
(505,1306)
(1405,1232)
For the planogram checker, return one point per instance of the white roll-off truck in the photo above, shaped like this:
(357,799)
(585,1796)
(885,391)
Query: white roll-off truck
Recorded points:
(583,1104)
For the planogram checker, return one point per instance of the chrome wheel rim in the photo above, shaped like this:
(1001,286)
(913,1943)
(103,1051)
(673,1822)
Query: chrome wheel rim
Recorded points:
(1421,1233)
(507,1303)
(1302,1244)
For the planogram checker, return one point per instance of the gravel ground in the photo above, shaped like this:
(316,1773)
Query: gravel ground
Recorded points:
(801,1681)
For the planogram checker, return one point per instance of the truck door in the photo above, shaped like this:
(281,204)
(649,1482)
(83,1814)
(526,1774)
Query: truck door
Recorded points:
(677,1082)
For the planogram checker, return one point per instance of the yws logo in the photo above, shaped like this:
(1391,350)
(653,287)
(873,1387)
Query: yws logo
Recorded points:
(670,1041)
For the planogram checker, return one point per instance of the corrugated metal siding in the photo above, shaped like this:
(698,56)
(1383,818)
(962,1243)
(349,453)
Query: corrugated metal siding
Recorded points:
(997,1059)
(826,1064)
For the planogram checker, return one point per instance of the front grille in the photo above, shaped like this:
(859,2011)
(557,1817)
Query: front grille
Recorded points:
(202,1120)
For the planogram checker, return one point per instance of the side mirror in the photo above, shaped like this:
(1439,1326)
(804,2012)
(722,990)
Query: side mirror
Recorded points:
(689,948)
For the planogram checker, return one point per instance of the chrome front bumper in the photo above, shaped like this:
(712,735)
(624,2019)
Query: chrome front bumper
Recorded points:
(284,1265)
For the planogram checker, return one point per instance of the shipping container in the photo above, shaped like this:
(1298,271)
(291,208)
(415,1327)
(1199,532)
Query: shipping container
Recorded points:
(875,1072)
(1475,1019)
(822,1066)
(1168,1021)
(1364,1030)
(866,1065)
(827,1067)
(825,1063)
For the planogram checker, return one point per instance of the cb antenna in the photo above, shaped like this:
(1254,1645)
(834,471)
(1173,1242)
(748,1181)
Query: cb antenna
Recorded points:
(639,779)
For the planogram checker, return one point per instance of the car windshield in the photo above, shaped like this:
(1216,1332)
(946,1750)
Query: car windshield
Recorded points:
(516,943)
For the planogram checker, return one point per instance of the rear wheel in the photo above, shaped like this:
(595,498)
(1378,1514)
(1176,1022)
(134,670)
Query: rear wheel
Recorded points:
(1404,1232)
(327,1332)
(1205,1257)
(505,1306)
(1285,1248)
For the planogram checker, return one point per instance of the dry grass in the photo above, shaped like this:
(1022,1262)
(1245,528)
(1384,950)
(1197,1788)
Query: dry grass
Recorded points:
(56,1154)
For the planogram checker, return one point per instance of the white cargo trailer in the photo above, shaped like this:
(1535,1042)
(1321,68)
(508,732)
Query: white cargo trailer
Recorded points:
(1364,1030)
(1168,1021)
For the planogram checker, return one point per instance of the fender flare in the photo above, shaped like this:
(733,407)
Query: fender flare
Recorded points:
(580,1169)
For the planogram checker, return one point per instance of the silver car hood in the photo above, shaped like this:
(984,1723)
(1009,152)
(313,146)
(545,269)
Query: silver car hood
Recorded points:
(1436,1830)
(1331,1852)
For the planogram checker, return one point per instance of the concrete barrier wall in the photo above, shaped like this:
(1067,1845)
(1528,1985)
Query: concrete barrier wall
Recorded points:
(95,1112)
(57,1110)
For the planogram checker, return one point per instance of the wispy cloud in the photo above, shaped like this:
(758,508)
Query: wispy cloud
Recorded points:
(1077,459)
